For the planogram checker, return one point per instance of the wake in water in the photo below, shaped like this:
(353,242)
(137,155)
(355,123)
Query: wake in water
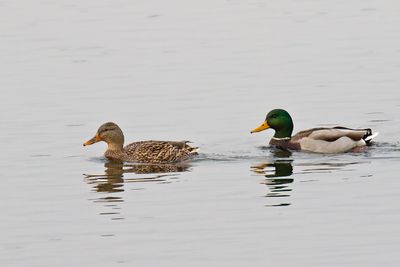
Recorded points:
(261,153)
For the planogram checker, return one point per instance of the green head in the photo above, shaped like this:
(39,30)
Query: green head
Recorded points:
(280,121)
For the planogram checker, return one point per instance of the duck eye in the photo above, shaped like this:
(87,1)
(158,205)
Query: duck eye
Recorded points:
(103,130)
(108,129)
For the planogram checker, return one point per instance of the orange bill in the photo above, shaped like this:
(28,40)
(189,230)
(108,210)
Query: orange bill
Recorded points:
(95,139)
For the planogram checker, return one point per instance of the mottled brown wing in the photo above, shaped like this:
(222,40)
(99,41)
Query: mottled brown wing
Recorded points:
(159,151)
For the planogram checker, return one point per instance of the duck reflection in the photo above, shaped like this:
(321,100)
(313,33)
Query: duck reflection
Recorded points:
(113,179)
(277,170)
(118,174)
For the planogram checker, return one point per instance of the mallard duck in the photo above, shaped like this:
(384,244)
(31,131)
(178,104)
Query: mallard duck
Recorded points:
(320,140)
(144,151)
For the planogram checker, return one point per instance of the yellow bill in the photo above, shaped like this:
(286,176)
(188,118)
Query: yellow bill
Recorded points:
(260,128)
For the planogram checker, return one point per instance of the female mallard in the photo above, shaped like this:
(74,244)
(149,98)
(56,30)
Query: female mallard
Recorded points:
(145,151)
(319,140)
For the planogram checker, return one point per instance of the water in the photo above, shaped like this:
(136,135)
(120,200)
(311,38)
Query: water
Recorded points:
(205,71)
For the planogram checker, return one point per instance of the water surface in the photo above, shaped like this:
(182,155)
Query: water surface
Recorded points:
(207,72)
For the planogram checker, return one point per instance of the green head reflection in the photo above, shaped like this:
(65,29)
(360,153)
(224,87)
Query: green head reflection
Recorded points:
(277,171)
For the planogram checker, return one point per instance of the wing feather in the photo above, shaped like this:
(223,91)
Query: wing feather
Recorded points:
(333,134)
(159,151)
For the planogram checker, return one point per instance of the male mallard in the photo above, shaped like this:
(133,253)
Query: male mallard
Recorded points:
(145,151)
(319,140)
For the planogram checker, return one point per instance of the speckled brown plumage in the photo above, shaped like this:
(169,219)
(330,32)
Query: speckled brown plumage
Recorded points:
(154,152)
(144,151)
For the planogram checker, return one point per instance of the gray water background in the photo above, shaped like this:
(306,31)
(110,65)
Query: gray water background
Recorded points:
(207,71)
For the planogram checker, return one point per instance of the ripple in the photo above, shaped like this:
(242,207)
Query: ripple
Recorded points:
(379,120)
(40,155)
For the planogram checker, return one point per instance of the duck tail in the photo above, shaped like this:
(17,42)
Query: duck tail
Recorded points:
(194,150)
(369,136)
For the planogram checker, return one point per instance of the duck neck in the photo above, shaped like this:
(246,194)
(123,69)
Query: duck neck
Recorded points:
(284,132)
(116,147)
